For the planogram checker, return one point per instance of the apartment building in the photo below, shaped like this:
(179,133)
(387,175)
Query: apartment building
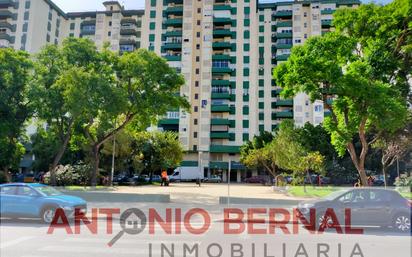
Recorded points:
(226,50)
(31,24)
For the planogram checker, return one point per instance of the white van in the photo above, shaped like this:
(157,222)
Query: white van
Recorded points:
(186,174)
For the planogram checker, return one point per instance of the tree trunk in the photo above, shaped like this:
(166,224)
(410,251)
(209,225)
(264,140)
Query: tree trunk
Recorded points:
(384,175)
(359,165)
(95,171)
(59,156)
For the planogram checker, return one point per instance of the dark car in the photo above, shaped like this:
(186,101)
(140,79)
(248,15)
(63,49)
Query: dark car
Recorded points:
(122,179)
(369,207)
(20,200)
(256,180)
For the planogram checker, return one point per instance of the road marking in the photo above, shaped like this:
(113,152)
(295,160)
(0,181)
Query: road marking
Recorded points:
(82,249)
(15,242)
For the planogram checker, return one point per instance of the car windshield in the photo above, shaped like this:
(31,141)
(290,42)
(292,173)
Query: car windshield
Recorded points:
(49,191)
(334,195)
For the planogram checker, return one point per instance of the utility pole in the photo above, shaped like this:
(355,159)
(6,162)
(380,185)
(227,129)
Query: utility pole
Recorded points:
(228,183)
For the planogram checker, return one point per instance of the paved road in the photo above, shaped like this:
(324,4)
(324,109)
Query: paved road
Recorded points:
(29,238)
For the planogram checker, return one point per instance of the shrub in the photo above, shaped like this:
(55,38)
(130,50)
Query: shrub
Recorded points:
(404,183)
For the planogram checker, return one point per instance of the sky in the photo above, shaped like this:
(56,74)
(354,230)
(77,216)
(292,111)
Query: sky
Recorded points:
(94,5)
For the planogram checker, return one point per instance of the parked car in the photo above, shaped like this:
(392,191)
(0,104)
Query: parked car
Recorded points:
(369,207)
(21,200)
(122,179)
(214,179)
(155,178)
(256,180)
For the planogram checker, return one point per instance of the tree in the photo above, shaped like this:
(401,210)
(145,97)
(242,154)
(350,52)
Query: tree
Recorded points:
(50,94)
(334,65)
(394,147)
(384,37)
(157,150)
(136,88)
(15,107)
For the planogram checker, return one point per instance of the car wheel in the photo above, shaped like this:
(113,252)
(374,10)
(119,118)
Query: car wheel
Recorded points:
(320,221)
(48,214)
(402,223)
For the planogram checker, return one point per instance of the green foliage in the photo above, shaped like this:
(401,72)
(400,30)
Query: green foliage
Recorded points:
(15,108)
(340,65)
(157,150)
(404,182)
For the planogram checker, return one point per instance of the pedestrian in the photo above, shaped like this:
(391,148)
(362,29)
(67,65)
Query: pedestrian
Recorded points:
(164,178)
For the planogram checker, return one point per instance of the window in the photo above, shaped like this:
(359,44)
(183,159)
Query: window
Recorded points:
(197,34)
(110,23)
(196,83)
(194,134)
(27,5)
(197,59)
(198,22)
(25,191)
(196,96)
(72,26)
(26,16)
(195,121)
(197,71)
(199,10)
(8,190)
(196,109)
(197,46)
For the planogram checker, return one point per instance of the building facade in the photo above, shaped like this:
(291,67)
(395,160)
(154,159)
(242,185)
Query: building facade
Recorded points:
(226,51)
(31,24)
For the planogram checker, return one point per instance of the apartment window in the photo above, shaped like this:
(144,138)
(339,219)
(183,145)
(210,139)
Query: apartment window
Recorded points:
(49,26)
(305,36)
(197,71)
(72,26)
(109,33)
(26,16)
(152,25)
(50,16)
(197,59)
(197,46)
(57,33)
(195,148)
(197,34)
(25,27)
(110,23)
(194,134)
(199,10)
(152,14)
(27,5)
(198,22)
(153,3)
(48,38)
(195,121)
(196,96)
(305,25)
(196,83)
(71,35)
(196,109)
(111,8)
(305,14)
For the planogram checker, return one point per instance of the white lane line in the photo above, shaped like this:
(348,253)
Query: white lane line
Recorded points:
(131,241)
(15,242)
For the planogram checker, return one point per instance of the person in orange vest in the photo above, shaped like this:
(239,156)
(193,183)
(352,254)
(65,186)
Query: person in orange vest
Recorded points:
(165,178)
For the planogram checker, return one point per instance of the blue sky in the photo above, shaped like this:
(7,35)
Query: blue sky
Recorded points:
(93,5)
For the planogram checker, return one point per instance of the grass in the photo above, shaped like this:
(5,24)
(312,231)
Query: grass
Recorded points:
(313,192)
(87,188)
(407,195)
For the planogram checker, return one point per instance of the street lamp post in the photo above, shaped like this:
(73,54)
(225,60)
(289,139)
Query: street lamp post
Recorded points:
(228,183)
(200,168)
(113,159)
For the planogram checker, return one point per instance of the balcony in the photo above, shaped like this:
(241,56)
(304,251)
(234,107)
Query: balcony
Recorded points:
(222,7)
(88,23)
(284,24)
(174,33)
(328,11)
(221,57)
(220,108)
(7,25)
(282,57)
(174,10)
(4,36)
(284,13)
(284,35)
(127,41)
(173,58)
(163,122)
(128,21)
(128,30)
(284,114)
(176,22)
(220,122)
(284,102)
(222,33)
(219,135)
(218,20)
(9,3)
(224,149)
(220,82)
(284,46)
(221,70)
(4,14)
(172,46)
(326,23)
(173,1)
(221,45)
(226,95)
